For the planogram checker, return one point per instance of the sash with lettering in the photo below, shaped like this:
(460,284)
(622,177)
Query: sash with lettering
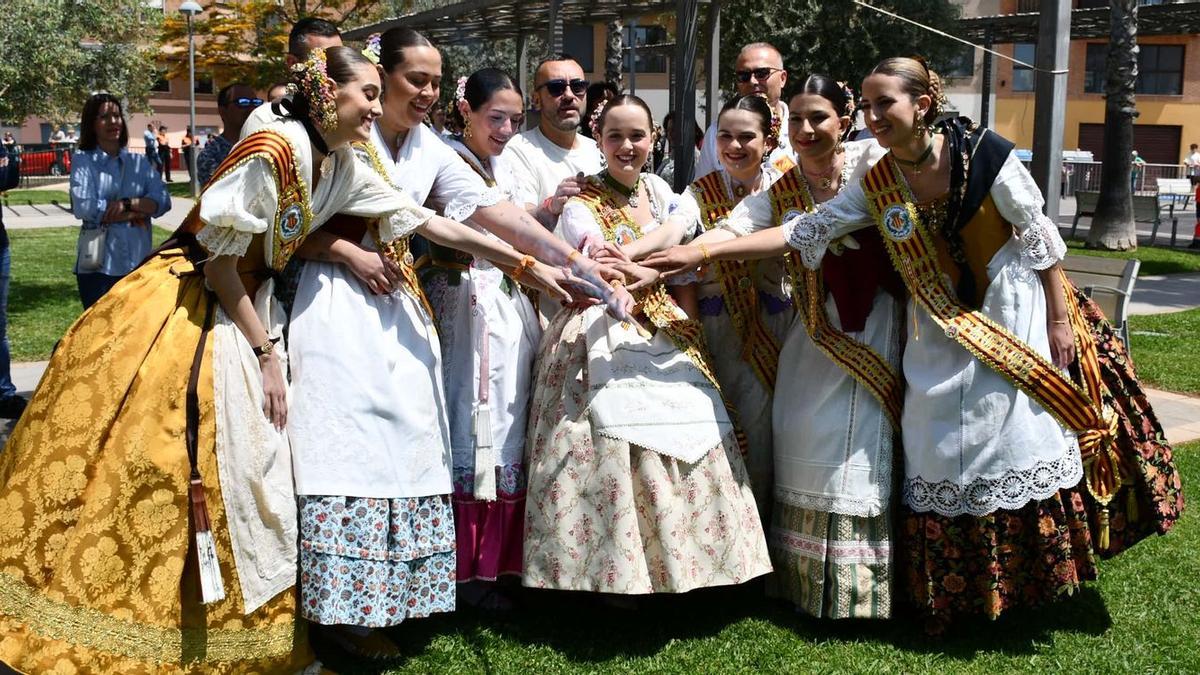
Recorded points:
(790,196)
(655,303)
(1077,406)
(760,348)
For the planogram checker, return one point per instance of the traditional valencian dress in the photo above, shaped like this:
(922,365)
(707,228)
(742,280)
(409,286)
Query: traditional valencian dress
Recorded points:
(1011,467)
(746,313)
(152,388)
(636,480)
(489,332)
(836,413)
(369,428)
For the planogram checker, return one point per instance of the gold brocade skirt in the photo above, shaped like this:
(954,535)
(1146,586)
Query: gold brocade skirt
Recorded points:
(97,571)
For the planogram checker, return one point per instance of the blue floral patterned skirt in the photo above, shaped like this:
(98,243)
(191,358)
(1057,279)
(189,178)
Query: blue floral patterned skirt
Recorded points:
(375,562)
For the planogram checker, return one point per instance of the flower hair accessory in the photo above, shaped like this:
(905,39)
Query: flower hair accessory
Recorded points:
(310,79)
(460,91)
(776,124)
(594,122)
(372,48)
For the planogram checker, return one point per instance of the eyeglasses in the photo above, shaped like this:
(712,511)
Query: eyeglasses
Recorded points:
(558,87)
(244,102)
(759,74)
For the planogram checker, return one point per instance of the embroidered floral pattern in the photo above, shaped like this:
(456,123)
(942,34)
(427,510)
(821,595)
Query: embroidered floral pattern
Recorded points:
(810,234)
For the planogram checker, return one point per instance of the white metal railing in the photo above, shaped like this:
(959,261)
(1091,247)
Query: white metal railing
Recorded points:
(1077,176)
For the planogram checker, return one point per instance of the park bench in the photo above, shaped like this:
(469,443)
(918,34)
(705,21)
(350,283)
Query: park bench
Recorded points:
(1176,189)
(1146,209)
(1109,283)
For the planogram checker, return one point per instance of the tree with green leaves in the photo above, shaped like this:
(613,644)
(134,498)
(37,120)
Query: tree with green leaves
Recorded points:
(836,37)
(54,53)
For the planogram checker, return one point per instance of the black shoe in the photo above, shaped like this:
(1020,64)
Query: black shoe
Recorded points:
(11,407)
(1195,244)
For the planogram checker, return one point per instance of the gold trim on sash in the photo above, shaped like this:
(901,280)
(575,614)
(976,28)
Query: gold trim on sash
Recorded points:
(760,347)
(911,247)
(790,194)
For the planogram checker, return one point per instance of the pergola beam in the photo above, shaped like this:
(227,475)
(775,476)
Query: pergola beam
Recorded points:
(1172,19)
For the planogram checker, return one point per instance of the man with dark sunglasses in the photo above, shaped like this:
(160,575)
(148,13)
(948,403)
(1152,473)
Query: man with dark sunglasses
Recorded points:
(757,70)
(546,160)
(235,102)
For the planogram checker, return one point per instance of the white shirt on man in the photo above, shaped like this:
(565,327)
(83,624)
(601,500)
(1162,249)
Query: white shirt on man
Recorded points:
(539,164)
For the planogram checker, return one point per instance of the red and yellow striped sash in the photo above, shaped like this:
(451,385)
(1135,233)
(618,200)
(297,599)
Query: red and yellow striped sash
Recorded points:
(789,195)
(911,247)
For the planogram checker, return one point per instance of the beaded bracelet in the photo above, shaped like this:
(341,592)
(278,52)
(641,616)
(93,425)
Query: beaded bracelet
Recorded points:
(704,253)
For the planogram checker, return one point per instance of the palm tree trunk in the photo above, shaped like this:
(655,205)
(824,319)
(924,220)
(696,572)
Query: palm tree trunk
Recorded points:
(613,52)
(1113,227)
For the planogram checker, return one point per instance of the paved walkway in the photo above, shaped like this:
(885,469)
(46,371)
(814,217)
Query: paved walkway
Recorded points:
(1165,293)
(28,217)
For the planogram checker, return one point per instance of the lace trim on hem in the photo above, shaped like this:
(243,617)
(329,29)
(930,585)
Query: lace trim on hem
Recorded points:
(984,495)
(810,234)
(224,240)
(846,506)
(1041,244)
(462,209)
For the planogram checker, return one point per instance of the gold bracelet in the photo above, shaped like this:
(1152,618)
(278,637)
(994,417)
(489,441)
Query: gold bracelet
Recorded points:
(526,262)
(704,253)
(1060,322)
(572,256)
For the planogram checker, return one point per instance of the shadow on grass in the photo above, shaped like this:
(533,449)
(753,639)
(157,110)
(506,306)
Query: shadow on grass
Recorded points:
(590,634)
(34,296)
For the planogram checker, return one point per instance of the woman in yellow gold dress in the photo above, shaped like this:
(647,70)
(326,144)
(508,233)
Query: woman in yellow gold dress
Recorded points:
(147,518)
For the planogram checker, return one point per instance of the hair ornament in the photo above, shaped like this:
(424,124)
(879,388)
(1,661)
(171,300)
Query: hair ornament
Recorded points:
(310,79)
(776,124)
(460,91)
(372,48)
(594,122)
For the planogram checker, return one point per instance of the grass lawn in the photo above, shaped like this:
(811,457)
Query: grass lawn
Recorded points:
(1164,350)
(43,300)
(24,197)
(1142,616)
(1155,259)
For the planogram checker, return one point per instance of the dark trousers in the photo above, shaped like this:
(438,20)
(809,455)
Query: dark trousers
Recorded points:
(93,286)
(164,156)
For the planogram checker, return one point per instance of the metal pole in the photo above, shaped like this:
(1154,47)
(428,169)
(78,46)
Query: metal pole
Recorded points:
(192,107)
(985,105)
(713,70)
(1050,100)
(633,56)
(523,70)
(686,22)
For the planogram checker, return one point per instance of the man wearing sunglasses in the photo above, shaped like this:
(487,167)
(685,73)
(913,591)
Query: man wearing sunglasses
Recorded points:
(235,102)
(546,160)
(758,70)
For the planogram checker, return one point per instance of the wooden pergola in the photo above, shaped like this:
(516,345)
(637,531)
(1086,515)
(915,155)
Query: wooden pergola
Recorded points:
(470,21)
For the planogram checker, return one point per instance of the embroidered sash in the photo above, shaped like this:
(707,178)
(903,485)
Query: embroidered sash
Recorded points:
(760,347)
(790,195)
(686,334)
(913,252)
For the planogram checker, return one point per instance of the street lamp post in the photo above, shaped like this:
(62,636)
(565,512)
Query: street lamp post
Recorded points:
(191,8)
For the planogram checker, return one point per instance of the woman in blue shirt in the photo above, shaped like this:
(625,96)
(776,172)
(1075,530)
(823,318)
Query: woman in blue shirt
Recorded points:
(114,189)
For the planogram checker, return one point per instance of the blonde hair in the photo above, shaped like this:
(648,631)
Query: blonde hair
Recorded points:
(919,80)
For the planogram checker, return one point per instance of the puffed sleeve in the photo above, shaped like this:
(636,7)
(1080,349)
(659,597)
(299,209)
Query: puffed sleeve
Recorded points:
(236,207)
(811,233)
(576,222)
(687,212)
(370,195)
(1020,202)
(458,191)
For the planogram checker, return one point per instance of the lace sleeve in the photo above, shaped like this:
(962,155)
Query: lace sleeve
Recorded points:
(1020,202)
(224,240)
(237,206)
(810,234)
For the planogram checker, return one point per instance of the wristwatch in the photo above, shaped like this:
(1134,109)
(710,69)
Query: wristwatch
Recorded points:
(267,347)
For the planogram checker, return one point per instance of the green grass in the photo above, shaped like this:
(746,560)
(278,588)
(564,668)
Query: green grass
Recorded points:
(24,197)
(1164,350)
(1142,616)
(1155,259)
(43,300)
(181,187)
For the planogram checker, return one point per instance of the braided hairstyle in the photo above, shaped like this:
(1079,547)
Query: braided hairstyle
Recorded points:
(919,80)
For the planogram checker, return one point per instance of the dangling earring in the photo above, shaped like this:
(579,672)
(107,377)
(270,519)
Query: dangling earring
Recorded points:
(466,126)
(839,148)
(919,127)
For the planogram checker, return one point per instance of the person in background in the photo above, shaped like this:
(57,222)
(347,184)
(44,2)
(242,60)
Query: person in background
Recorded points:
(186,148)
(235,102)
(308,34)
(1137,170)
(10,143)
(114,189)
(597,94)
(1192,164)
(150,140)
(11,404)
(758,70)
(276,92)
(163,144)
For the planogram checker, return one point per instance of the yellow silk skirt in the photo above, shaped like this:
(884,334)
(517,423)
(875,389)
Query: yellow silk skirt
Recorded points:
(97,571)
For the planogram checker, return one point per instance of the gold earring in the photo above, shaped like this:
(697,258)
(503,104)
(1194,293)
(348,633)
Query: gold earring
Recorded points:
(919,128)
(839,148)
(466,126)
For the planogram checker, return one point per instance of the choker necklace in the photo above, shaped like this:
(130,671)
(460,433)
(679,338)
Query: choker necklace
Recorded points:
(915,165)
(630,193)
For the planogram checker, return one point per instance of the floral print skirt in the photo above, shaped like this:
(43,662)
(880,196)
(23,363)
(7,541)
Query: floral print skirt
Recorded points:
(604,515)
(489,533)
(830,565)
(375,562)
(1150,499)
(969,564)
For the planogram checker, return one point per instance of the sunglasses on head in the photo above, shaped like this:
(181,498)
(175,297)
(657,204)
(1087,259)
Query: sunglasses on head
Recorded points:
(244,102)
(759,74)
(558,87)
